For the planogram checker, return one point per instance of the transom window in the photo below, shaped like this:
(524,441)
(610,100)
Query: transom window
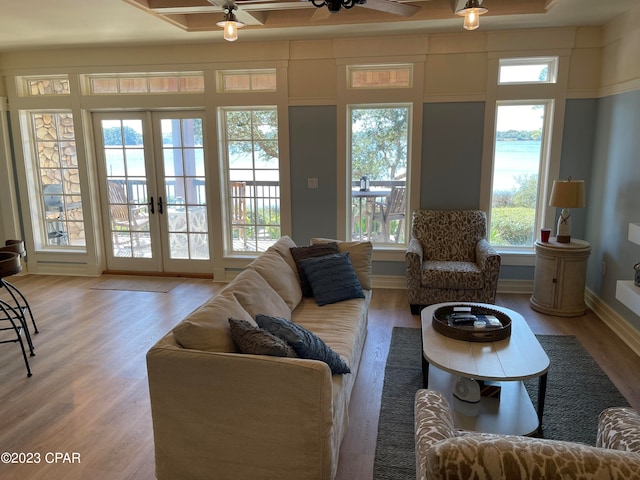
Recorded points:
(528,70)
(43,86)
(141,83)
(380,76)
(230,81)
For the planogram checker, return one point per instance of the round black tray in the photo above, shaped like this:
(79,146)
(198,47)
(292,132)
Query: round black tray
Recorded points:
(441,325)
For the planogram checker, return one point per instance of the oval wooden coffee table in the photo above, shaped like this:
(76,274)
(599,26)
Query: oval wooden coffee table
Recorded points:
(510,361)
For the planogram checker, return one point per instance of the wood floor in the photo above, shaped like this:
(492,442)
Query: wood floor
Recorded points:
(88,393)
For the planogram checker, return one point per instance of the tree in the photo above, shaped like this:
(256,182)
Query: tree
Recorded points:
(253,131)
(526,194)
(113,136)
(379,142)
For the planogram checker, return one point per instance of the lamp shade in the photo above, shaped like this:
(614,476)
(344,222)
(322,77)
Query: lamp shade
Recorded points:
(567,194)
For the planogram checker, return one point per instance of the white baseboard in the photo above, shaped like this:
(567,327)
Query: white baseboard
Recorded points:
(614,321)
(389,281)
(515,286)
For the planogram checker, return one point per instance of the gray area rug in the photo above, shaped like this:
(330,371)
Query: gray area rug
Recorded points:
(577,391)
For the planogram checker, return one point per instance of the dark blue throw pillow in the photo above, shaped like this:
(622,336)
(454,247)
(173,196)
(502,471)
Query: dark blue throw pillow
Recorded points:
(316,250)
(305,343)
(332,278)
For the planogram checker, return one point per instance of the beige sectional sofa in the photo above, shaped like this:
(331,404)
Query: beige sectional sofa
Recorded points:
(445,453)
(220,414)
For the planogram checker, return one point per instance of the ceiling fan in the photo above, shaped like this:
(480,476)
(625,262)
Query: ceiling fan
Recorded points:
(388,6)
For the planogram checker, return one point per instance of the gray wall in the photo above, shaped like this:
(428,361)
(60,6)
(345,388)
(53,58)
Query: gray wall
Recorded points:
(578,139)
(313,149)
(451,159)
(451,155)
(613,197)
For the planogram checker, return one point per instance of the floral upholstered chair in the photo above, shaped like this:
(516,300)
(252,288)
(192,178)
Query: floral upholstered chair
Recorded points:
(445,453)
(449,259)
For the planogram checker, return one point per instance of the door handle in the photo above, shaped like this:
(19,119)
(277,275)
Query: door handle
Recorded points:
(160,205)
(151,207)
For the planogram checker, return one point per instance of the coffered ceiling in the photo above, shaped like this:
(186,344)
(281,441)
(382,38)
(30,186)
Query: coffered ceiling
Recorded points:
(38,24)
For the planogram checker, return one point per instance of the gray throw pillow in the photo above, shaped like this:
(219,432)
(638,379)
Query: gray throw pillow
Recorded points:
(254,340)
(332,278)
(305,343)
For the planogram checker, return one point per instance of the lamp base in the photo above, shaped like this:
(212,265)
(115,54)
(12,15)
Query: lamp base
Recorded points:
(563,239)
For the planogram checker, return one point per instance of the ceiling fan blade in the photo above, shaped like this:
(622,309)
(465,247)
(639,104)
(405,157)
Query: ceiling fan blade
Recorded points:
(320,14)
(388,6)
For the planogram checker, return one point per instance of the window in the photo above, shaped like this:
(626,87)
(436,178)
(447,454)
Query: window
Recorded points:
(380,76)
(252,166)
(59,220)
(520,159)
(528,70)
(141,83)
(247,81)
(42,86)
(378,163)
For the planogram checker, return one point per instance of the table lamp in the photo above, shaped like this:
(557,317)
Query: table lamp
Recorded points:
(566,194)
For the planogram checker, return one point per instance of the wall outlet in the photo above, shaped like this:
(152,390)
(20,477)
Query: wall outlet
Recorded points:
(312,183)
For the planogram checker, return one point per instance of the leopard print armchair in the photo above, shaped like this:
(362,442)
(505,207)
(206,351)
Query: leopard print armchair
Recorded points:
(444,453)
(449,259)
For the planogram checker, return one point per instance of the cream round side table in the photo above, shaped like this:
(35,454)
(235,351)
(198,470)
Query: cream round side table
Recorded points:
(560,275)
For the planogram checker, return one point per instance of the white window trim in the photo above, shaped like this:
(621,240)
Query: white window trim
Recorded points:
(531,93)
(345,97)
(406,226)
(550,62)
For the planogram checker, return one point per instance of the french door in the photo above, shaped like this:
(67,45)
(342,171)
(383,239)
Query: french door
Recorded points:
(153,191)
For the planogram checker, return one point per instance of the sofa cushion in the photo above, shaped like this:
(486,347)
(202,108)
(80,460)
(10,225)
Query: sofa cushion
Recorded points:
(283,247)
(301,253)
(252,339)
(360,254)
(277,272)
(305,343)
(207,327)
(437,274)
(332,278)
(486,456)
(256,295)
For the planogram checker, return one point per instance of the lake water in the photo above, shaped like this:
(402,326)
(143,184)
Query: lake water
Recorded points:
(513,159)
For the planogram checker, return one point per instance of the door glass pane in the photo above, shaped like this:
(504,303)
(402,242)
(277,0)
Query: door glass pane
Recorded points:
(517,160)
(185,188)
(379,149)
(127,188)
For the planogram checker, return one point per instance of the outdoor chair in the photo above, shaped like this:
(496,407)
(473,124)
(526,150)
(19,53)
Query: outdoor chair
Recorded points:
(238,206)
(449,259)
(386,212)
(125,218)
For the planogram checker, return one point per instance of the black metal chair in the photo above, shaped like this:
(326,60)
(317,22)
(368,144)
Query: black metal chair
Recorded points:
(13,315)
